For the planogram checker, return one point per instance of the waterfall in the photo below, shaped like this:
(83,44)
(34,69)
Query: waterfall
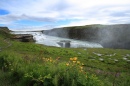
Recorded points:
(64,44)
(41,38)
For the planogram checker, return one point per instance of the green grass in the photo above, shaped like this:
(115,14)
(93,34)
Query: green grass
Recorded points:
(27,61)
(2,43)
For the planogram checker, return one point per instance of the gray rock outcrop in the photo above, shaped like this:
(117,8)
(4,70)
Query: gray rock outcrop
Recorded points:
(24,37)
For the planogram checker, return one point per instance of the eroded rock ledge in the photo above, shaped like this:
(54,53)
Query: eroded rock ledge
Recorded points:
(24,37)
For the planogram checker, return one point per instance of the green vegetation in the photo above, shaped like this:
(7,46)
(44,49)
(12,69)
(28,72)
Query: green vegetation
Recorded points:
(30,64)
(4,32)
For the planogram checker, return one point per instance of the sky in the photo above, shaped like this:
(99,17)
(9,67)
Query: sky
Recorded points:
(48,14)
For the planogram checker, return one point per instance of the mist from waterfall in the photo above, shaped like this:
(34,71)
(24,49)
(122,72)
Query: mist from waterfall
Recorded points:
(116,36)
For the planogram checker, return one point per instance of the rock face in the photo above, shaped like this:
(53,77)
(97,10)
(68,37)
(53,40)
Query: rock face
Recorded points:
(109,36)
(4,31)
(64,43)
(24,37)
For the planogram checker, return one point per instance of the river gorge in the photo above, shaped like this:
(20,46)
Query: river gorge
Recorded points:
(47,40)
(89,36)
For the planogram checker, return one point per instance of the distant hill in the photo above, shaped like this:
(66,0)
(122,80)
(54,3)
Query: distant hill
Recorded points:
(109,36)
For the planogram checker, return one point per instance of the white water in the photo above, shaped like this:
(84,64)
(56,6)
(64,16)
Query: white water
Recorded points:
(54,41)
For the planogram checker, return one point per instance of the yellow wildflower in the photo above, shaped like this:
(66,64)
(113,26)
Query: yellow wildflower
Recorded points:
(81,67)
(71,59)
(78,62)
(50,60)
(67,64)
(74,61)
(82,64)
(75,58)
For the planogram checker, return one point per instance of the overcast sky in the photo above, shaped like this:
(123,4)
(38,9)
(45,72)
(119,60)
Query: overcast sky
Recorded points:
(46,14)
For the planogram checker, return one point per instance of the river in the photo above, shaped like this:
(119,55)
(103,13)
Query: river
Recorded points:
(41,38)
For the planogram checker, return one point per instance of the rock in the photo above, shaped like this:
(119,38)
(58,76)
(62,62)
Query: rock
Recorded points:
(64,43)
(24,37)
(101,59)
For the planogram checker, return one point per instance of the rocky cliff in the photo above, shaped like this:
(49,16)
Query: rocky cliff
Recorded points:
(5,32)
(109,36)
(24,37)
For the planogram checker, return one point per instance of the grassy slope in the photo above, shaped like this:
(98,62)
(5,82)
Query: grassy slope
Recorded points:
(107,70)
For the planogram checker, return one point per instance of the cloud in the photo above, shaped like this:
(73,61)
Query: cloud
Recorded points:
(82,12)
